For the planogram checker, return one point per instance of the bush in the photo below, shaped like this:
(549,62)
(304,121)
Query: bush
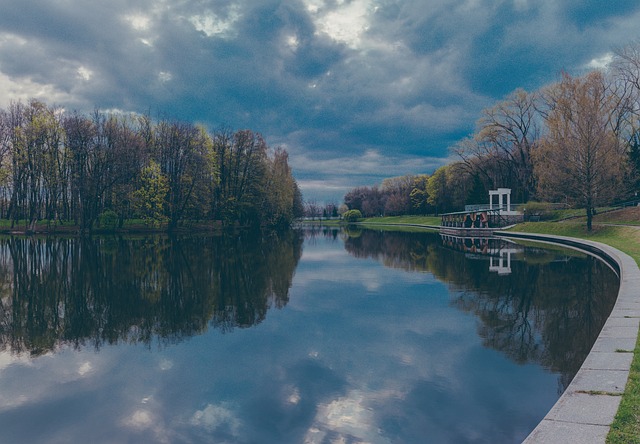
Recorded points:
(540,211)
(108,220)
(352,215)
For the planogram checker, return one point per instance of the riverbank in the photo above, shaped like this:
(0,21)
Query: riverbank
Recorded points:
(619,231)
(626,425)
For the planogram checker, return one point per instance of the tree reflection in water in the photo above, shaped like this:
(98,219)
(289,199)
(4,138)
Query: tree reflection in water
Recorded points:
(548,309)
(104,290)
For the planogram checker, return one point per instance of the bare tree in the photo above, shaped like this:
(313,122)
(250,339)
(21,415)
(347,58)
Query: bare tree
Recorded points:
(581,160)
(500,151)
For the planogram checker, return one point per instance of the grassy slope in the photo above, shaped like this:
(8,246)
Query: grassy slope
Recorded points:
(626,426)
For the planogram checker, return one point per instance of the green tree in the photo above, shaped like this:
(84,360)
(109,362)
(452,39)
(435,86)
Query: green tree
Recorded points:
(150,199)
(419,195)
(279,190)
(242,162)
(182,151)
(438,189)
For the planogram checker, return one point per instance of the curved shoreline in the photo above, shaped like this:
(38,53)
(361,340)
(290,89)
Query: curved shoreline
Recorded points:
(586,409)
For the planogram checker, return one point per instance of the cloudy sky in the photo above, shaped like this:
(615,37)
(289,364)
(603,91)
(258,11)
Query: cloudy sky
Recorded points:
(355,90)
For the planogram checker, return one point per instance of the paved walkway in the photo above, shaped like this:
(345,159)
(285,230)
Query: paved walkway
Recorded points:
(586,409)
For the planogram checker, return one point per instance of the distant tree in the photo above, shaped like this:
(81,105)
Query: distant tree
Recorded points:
(279,191)
(369,201)
(419,195)
(396,195)
(354,198)
(298,202)
(437,189)
(312,209)
(352,215)
(373,203)
(330,210)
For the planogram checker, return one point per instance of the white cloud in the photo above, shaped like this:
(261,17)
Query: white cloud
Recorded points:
(166,364)
(602,62)
(15,89)
(85,73)
(138,22)
(346,23)
(215,416)
(349,417)
(213,25)
(165,76)
(7,359)
(139,420)
(85,368)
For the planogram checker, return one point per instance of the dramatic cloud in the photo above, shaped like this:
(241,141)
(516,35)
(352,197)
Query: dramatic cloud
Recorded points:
(356,90)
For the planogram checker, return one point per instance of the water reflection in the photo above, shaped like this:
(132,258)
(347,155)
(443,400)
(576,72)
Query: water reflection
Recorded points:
(499,250)
(360,353)
(108,290)
(541,306)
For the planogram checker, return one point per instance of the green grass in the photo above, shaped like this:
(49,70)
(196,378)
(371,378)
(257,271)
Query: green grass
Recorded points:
(626,426)
(323,222)
(391,220)
(570,213)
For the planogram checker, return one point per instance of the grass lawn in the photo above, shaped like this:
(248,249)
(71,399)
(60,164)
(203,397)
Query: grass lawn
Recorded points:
(414,220)
(626,426)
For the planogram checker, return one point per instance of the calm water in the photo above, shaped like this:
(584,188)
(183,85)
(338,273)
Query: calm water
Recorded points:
(318,337)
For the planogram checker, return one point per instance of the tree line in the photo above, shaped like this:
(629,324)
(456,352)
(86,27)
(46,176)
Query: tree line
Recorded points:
(106,168)
(575,142)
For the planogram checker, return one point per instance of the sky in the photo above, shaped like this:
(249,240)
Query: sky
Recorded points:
(355,90)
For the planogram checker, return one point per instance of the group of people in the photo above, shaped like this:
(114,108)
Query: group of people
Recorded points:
(468,220)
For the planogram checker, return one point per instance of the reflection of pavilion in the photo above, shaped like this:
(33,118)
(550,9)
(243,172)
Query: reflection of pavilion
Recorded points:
(498,250)
(501,264)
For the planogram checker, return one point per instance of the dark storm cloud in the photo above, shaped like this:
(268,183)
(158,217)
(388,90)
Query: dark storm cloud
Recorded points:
(376,84)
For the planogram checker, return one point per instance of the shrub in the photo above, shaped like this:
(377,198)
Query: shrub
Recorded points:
(540,210)
(108,220)
(352,215)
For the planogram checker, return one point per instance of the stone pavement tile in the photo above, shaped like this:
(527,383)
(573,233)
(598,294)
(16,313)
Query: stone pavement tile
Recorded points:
(613,344)
(619,332)
(585,409)
(626,305)
(608,361)
(622,321)
(625,313)
(556,432)
(609,381)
